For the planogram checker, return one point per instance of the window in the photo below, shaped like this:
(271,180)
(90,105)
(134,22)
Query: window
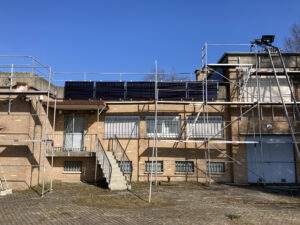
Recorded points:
(210,126)
(215,167)
(184,166)
(167,126)
(72,166)
(126,166)
(158,167)
(266,88)
(121,126)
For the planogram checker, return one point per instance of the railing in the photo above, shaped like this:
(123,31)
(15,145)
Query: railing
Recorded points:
(73,142)
(103,161)
(124,162)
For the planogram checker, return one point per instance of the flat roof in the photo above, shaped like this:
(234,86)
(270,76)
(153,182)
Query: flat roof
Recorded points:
(226,54)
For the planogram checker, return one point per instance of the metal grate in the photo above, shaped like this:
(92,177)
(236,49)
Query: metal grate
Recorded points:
(126,166)
(216,167)
(184,166)
(158,166)
(72,166)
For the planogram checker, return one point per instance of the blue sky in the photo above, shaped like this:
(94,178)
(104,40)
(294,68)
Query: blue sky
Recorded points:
(128,35)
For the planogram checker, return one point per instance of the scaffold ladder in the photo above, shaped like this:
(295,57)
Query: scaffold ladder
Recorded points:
(277,52)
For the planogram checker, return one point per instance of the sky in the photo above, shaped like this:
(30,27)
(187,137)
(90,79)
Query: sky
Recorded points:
(129,35)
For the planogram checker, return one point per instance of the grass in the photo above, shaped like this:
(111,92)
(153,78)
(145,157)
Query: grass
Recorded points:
(232,216)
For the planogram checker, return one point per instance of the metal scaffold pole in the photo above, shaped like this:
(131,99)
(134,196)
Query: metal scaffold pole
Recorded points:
(154,148)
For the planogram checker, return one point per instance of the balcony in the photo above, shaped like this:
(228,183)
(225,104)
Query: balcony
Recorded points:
(71,145)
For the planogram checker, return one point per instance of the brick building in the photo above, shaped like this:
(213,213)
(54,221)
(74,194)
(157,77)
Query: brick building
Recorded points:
(229,125)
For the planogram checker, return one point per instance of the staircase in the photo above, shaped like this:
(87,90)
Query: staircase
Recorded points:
(118,180)
(4,190)
(115,179)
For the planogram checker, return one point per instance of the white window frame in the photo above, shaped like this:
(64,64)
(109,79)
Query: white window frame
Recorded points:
(121,126)
(205,129)
(163,131)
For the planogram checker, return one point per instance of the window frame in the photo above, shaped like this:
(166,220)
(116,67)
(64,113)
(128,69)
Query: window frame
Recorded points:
(208,164)
(217,119)
(130,134)
(149,162)
(164,131)
(129,166)
(185,166)
(72,162)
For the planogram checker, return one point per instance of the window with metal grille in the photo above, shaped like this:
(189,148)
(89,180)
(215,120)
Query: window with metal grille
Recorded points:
(72,166)
(184,166)
(167,126)
(121,126)
(158,166)
(215,167)
(126,166)
(210,126)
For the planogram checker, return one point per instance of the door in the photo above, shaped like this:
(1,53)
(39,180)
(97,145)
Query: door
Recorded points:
(274,162)
(74,131)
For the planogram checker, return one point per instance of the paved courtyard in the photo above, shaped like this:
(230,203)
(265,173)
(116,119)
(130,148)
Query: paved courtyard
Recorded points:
(178,203)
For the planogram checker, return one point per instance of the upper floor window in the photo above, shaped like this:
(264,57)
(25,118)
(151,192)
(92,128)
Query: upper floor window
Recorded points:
(266,89)
(121,126)
(167,126)
(210,126)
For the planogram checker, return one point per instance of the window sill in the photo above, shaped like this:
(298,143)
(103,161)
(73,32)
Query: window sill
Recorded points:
(72,172)
(160,173)
(184,173)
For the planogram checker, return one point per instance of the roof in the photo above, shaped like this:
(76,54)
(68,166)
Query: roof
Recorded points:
(226,54)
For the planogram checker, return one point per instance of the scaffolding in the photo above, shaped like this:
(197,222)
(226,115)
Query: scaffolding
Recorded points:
(244,105)
(25,78)
(243,94)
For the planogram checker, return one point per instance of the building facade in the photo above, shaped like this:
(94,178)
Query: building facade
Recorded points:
(227,126)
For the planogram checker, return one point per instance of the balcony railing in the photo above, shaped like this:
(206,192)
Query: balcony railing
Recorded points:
(72,144)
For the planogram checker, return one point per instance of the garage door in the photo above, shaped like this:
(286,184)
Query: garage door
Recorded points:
(274,162)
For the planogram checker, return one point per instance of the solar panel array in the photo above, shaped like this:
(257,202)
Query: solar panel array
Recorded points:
(139,90)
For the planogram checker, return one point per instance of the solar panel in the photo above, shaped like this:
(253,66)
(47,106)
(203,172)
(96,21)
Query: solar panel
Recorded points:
(171,90)
(81,90)
(110,90)
(140,91)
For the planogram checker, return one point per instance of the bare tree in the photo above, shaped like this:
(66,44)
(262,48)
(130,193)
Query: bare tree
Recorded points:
(164,76)
(292,43)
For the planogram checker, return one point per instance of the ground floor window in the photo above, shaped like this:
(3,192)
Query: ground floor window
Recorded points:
(72,166)
(158,166)
(126,166)
(215,167)
(184,166)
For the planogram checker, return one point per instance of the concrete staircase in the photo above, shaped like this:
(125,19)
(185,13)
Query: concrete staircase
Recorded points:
(4,189)
(118,180)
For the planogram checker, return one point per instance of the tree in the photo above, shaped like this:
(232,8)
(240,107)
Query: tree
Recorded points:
(292,43)
(166,76)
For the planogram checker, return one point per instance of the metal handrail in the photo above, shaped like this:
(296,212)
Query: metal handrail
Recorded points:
(103,161)
(122,158)
(88,144)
